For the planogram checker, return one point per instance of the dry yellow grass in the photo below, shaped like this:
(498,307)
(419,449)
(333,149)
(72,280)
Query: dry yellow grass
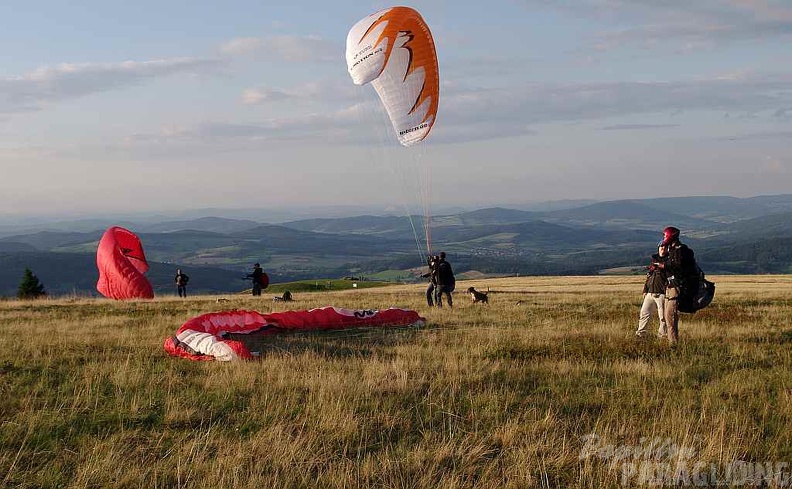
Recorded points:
(506,395)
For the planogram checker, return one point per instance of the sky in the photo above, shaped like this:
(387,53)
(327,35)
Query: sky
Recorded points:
(148,106)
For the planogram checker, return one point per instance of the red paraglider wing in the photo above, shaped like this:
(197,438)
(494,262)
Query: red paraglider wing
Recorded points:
(201,338)
(122,263)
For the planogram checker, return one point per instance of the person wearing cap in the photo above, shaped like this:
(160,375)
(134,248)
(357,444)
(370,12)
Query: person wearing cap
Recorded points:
(680,269)
(654,295)
(260,279)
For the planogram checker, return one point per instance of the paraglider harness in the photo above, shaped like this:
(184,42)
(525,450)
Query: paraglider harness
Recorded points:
(695,292)
(286,297)
(445,276)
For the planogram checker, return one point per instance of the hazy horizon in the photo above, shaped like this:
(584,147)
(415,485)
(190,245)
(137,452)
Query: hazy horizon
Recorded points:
(276,215)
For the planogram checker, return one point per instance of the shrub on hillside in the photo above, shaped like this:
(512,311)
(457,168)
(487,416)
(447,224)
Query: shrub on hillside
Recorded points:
(30,287)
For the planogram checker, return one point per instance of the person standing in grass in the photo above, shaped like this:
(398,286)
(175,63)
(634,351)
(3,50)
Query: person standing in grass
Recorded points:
(432,276)
(260,279)
(680,269)
(654,295)
(181,283)
(446,282)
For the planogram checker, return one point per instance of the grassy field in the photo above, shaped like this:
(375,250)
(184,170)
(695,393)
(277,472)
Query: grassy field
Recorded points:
(545,387)
(322,285)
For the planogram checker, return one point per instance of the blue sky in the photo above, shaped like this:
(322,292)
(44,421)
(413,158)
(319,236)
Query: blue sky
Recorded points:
(146,106)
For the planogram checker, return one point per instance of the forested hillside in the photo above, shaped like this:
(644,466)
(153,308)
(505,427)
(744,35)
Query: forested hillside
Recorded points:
(728,235)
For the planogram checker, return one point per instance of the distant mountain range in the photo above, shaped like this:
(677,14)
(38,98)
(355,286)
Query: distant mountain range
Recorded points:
(729,235)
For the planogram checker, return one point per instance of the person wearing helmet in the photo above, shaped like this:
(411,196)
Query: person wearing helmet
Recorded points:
(680,268)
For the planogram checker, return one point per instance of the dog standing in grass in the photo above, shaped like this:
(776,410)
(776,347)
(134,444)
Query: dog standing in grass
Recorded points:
(477,296)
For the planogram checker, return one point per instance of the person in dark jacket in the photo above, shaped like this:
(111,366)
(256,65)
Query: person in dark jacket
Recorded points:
(260,279)
(682,279)
(654,295)
(446,282)
(181,280)
(432,276)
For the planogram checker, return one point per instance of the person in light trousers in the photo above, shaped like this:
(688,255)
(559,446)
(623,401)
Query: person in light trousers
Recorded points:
(654,295)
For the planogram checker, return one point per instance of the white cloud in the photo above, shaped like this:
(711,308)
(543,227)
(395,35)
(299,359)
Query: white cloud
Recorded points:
(783,113)
(762,136)
(253,96)
(10,154)
(284,48)
(544,103)
(479,114)
(52,84)
(633,127)
(221,136)
(680,25)
(326,91)
(242,46)
(772,164)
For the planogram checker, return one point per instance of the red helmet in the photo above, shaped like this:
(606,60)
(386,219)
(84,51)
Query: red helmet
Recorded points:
(670,234)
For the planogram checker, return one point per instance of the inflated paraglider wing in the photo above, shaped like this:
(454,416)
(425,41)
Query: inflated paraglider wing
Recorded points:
(393,50)
(203,337)
(122,265)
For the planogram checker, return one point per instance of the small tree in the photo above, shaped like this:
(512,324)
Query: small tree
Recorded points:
(30,287)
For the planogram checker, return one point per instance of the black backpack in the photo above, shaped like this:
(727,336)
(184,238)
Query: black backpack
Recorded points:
(691,301)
